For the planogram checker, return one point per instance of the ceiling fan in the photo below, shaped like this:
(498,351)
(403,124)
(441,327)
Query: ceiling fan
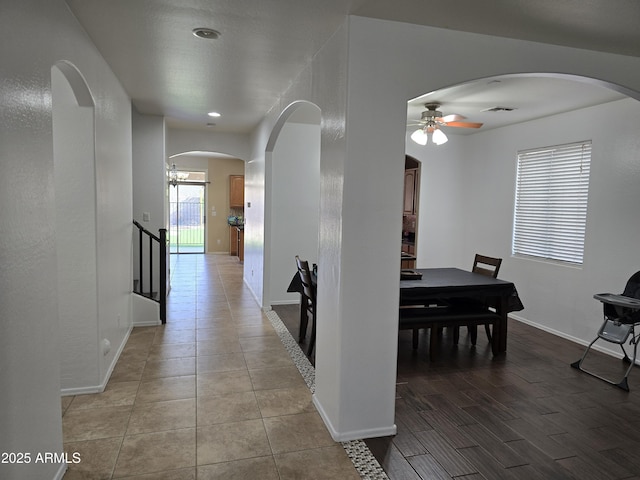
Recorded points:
(431,122)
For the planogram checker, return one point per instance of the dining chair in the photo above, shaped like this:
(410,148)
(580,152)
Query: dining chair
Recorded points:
(484,266)
(308,303)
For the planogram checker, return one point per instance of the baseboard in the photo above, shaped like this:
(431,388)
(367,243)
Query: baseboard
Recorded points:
(571,338)
(354,434)
(68,392)
(253,294)
(65,392)
(286,302)
(116,357)
(148,323)
(61,471)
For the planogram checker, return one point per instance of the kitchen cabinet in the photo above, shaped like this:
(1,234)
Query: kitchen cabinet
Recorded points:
(407,261)
(410,190)
(233,241)
(240,244)
(236,191)
(408,248)
(236,242)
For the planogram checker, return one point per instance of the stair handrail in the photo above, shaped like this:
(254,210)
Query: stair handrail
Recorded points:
(161,238)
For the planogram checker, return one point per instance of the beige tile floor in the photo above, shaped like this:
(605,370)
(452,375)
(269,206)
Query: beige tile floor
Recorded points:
(213,394)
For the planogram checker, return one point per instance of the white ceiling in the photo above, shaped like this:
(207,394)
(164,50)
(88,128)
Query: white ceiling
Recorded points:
(264,44)
(529,97)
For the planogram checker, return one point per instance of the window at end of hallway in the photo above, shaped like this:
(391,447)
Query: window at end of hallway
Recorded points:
(552,188)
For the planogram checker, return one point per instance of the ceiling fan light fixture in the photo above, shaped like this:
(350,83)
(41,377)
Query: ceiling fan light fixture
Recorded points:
(420,137)
(439,137)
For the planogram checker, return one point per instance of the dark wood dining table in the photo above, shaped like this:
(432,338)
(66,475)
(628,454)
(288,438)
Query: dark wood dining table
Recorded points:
(451,283)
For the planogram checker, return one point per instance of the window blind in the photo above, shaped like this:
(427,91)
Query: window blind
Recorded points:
(552,188)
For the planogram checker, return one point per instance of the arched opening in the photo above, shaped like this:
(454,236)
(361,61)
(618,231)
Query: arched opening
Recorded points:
(76,237)
(292,198)
(467,205)
(203,212)
(496,102)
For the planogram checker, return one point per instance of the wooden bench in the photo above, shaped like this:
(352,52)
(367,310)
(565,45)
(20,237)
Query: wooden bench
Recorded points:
(433,317)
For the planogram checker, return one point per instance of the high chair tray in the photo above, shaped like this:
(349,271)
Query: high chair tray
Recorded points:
(619,300)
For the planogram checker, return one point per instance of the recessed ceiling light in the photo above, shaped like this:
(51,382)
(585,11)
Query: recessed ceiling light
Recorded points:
(207,33)
(213,114)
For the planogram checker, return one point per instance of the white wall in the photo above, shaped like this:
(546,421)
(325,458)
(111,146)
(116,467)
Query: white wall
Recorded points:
(322,83)
(295,206)
(254,214)
(149,188)
(441,210)
(30,417)
(149,175)
(181,141)
(559,298)
(75,220)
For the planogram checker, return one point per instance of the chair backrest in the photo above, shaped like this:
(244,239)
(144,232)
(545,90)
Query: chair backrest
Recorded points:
(305,278)
(632,288)
(486,265)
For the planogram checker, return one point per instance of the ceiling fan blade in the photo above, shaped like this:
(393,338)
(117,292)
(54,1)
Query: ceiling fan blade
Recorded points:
(464,124)
(453,117)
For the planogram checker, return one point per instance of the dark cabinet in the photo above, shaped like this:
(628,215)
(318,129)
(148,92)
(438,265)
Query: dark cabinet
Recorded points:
(410,188)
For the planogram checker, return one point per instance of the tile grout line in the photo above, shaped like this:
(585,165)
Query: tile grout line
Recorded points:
(360,455)
(233,321)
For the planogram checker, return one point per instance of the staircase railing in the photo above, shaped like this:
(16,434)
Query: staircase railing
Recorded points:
(139,286)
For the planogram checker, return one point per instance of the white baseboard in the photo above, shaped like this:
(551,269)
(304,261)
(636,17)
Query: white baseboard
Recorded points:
(579,341)
(65,392)
(61,471)
(354,434)
(68,392)
(253,294)
(148,324)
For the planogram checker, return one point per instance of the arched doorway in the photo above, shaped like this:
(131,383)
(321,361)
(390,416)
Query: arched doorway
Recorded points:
(75,220)
(292,198)
(495,102)
(205,181)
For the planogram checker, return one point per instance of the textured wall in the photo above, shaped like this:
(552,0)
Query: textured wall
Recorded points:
(30,419)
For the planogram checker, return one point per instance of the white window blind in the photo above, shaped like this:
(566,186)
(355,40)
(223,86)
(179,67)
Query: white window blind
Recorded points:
(551,202)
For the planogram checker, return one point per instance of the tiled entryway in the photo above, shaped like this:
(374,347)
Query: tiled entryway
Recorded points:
(213,394)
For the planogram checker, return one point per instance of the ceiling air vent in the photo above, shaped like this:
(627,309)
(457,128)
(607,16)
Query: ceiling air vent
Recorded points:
(498,109)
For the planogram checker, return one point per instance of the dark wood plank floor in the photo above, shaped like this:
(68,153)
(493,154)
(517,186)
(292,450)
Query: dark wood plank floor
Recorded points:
(523,415)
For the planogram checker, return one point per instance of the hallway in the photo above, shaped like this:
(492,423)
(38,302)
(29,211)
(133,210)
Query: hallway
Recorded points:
(213,394)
